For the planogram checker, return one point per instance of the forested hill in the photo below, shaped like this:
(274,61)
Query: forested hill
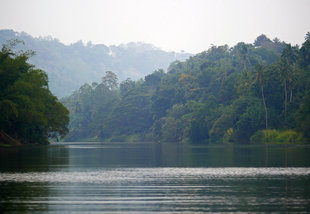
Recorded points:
(70,66)
(256,92)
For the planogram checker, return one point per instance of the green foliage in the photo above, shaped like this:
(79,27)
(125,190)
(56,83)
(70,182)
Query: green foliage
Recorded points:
(126,86)
(220,95)
(110,80)
(198,132)
(248,122)
(262,40)
(273,136)
(154,79)
(304,54)
(29,112)
(132,114)
(303,116)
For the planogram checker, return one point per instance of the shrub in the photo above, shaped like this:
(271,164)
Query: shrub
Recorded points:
(273,136)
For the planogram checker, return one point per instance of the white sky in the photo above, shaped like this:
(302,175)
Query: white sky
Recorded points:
(190,25)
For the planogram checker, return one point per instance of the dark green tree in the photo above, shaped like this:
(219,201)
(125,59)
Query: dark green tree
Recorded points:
(30,113)
(303,116)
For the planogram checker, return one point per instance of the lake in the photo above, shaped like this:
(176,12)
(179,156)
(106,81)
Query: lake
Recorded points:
(154,178)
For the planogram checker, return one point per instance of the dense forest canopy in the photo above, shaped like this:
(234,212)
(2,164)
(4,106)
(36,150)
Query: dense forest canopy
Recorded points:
(70,66)
(246,93)
(30,113)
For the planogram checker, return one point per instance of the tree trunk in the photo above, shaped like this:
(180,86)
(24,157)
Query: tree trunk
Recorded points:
(265,107)
(285,100)
(291,96)
(6,139)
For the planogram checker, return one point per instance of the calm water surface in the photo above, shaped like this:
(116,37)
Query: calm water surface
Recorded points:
(154,178)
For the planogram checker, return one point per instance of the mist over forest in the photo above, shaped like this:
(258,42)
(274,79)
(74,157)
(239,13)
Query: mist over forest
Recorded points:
(249,93)
(178,106)
(70,66)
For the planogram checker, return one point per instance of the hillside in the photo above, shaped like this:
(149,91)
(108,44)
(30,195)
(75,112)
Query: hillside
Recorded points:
(255,92)
(70,66)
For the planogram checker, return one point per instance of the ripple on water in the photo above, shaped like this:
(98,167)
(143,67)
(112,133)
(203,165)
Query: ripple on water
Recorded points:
(135,175)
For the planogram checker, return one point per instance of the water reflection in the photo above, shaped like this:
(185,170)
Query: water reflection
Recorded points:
(33,158)
(179,155)
(142,178)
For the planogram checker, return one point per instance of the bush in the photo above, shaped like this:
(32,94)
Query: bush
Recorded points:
(274,136)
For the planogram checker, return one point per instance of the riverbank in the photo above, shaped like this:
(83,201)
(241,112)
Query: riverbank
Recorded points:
(8,141)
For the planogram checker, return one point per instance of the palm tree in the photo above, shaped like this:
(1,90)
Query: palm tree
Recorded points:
(259,70)
(243,54)
(245,81)
(288,58)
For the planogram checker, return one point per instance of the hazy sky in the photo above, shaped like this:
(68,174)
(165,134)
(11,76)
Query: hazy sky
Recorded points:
(190,25)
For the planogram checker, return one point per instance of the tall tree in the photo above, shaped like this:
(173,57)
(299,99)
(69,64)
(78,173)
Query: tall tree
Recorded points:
(288,58)
(262,40)
(242,53)
(259,69)
(110,80)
